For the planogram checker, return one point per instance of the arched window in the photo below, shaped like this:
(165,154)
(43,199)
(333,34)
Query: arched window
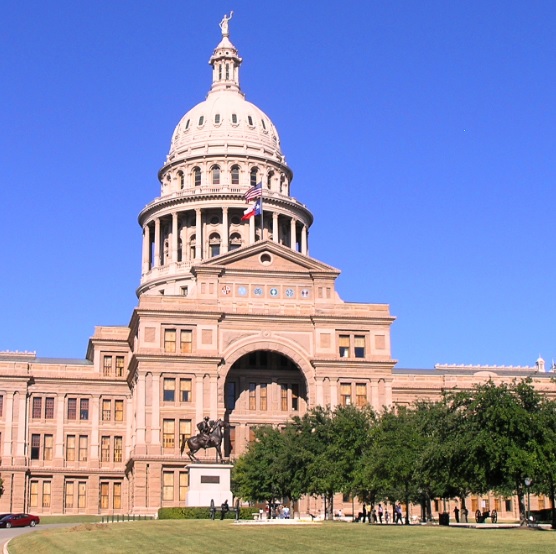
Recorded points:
(235,241)
(197,176)
(269,179)
(214,244)
(215,175)
(217,119)
(192,243)
(220,72)
(235,175)
(253,176)
(227,72)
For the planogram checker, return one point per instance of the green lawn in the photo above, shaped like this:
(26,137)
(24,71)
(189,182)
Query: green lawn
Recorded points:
(201,536)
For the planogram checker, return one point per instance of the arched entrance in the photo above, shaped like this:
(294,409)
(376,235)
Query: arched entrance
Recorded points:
(263,387)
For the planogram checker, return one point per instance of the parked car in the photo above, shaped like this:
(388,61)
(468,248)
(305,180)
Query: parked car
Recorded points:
(19,520)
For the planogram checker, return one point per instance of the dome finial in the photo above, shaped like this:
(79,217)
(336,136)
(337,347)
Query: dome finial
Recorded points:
(224,24)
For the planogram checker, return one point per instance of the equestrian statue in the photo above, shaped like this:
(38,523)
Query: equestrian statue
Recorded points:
(210,436)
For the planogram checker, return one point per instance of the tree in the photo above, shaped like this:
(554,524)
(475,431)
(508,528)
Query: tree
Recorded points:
(501,430)
(396,448)
(260,474)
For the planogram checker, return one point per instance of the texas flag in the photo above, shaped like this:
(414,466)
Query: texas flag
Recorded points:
(255,209)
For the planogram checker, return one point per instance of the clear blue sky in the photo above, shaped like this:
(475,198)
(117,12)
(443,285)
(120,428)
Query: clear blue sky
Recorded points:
(421,135)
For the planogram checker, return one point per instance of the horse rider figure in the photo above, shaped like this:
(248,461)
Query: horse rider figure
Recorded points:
(205,429)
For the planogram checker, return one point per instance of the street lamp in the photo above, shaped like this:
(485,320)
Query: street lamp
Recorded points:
(528,482)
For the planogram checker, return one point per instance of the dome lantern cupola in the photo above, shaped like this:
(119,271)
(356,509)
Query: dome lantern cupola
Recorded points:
(225,62)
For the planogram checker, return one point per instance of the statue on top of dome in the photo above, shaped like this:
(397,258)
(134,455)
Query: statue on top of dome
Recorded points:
(224,24)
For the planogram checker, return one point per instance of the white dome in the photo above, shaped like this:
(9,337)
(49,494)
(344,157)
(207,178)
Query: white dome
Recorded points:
(225,118)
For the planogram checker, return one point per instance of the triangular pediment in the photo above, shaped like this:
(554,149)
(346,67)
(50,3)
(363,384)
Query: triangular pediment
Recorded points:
(267,257)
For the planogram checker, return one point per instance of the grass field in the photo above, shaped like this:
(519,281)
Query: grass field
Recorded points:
(202,536)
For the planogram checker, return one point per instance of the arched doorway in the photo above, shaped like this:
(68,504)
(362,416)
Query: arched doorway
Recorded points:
(263,387)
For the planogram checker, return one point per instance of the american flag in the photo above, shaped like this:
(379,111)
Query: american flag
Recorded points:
(254,192)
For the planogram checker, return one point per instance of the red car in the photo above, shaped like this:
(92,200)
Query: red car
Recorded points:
(19,520)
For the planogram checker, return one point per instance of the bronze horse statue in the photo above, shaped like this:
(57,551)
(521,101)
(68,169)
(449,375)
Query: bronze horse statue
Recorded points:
(202,440)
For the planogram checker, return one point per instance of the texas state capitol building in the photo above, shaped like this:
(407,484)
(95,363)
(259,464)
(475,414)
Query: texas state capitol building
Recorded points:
(233,321)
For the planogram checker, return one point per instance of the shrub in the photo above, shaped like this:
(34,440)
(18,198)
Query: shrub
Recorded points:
(183,512)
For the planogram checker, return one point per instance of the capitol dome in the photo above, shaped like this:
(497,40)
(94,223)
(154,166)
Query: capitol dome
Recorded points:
(225,162)
(225,121)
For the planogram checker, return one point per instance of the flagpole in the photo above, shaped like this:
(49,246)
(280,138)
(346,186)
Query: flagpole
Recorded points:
(262,212)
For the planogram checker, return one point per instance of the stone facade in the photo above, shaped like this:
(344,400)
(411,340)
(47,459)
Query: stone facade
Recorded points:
(234,320)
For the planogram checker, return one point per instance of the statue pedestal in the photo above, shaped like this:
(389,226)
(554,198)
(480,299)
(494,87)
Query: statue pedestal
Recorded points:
(209,482)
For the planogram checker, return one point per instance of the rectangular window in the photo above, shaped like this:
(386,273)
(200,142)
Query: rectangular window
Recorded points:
(168,433)
(230,395)
(230,440)
(284,397)
(185,390)
(117,498)
(70,448)
(105,449)
(359,346)
(83,447)
(1,405)
(345,394)
(104,495)
(167,485)
(106,410)
(72,408)
(295,397)
(118,449)
(69,494)
(46,488)
(474,504)
(34,494)
(82,494)
(107,366)
(497,503)
(118,410)
(170,341)
(183,486)
(49,408)
(252,396)
(542,503)
(48,447)
(169,392)
(343,343)
(84,409)
(508,503)
(120,363)
(37,407)
(185,431)
(263,398)
(360,394)
(186,341)
(35,447)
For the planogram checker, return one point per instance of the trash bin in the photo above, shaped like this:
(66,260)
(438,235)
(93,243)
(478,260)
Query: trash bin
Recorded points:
(444,518)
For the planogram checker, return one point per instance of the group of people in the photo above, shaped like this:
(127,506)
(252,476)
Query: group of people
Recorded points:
(381,515)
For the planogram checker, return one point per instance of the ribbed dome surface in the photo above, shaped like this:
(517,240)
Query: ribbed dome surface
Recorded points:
(225,116)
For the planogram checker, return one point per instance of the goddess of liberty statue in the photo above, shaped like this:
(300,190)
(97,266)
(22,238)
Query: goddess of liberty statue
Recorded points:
(224,24)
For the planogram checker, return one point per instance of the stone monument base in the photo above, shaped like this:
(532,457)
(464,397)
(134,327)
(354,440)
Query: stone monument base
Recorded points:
(209,482)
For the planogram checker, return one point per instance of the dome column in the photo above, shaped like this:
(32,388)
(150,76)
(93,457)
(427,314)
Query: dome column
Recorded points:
(198,242)
(146,248)
(292,234)
(275,227)
(251,230)
(226,230)
(174,237)
(304,239)
(156,261)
